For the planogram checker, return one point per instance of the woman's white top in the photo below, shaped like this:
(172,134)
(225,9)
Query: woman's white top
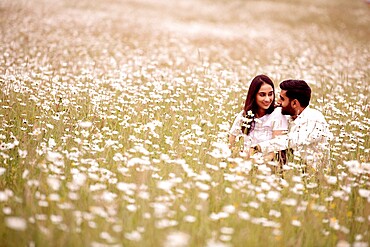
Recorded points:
(263,127)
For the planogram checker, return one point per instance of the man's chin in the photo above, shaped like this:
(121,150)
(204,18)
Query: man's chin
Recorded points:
(286,113)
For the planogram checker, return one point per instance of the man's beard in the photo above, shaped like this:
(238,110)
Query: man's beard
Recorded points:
(287,111)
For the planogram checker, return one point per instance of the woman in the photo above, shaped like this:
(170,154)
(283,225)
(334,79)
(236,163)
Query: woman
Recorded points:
(259,120)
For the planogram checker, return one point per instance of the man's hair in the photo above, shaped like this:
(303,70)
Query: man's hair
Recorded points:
(297,89)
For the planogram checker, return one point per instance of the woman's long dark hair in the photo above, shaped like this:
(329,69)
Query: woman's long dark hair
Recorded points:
(250,102)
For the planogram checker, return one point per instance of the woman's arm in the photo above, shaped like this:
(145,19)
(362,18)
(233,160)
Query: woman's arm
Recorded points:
(235,130)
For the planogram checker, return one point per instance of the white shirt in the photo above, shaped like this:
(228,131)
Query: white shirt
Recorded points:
(308,136)
(263,127)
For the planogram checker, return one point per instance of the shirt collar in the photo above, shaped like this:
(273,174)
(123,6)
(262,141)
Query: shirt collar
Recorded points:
(303,116)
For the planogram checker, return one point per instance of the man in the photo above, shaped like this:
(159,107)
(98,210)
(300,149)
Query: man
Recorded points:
(308,132)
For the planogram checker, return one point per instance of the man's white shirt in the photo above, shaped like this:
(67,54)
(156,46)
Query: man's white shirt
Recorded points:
(307,135)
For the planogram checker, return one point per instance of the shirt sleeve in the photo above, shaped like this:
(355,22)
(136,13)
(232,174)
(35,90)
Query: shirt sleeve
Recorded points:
(307,133)
(278,143)
(237,125)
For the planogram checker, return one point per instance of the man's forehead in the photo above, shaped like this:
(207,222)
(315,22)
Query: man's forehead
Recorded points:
(283,93)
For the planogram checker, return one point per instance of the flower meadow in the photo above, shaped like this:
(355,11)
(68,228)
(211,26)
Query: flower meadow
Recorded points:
(114,118)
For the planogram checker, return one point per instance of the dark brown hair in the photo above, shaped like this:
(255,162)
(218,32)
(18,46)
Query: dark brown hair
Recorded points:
(297,89)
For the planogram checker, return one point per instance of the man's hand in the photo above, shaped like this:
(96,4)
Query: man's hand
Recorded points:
(255,149)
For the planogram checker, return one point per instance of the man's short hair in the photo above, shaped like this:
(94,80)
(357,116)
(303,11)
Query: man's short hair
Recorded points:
(297,89)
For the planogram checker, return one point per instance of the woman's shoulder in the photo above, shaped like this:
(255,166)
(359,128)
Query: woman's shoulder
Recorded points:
(238,116)
(276,118)
(276,115)
(276,112)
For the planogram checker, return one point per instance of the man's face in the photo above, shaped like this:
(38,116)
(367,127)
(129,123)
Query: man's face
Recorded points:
(285,104)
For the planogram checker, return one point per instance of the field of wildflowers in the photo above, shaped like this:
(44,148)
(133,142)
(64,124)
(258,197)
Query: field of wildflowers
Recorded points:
(114,118)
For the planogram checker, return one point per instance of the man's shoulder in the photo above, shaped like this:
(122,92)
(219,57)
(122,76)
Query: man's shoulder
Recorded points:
(315,111)
(314,114)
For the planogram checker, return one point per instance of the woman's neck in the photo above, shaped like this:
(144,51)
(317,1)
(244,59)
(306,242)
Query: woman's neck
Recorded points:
(260,113)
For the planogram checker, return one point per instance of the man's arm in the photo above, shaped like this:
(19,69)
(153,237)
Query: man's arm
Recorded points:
(276,144)
(307,133)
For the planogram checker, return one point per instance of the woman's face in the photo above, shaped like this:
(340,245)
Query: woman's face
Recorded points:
(265,97)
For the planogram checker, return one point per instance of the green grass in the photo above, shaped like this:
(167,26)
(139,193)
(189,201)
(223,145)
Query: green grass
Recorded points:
(109,113)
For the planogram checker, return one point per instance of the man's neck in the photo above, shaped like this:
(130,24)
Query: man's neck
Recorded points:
(298,112)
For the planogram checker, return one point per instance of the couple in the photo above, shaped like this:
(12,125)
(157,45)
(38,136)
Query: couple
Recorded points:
(293,125)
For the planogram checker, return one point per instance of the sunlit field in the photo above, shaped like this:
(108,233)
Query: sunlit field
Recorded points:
(114,119)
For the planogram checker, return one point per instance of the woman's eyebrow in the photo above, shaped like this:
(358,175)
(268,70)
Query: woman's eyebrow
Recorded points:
(267,92)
